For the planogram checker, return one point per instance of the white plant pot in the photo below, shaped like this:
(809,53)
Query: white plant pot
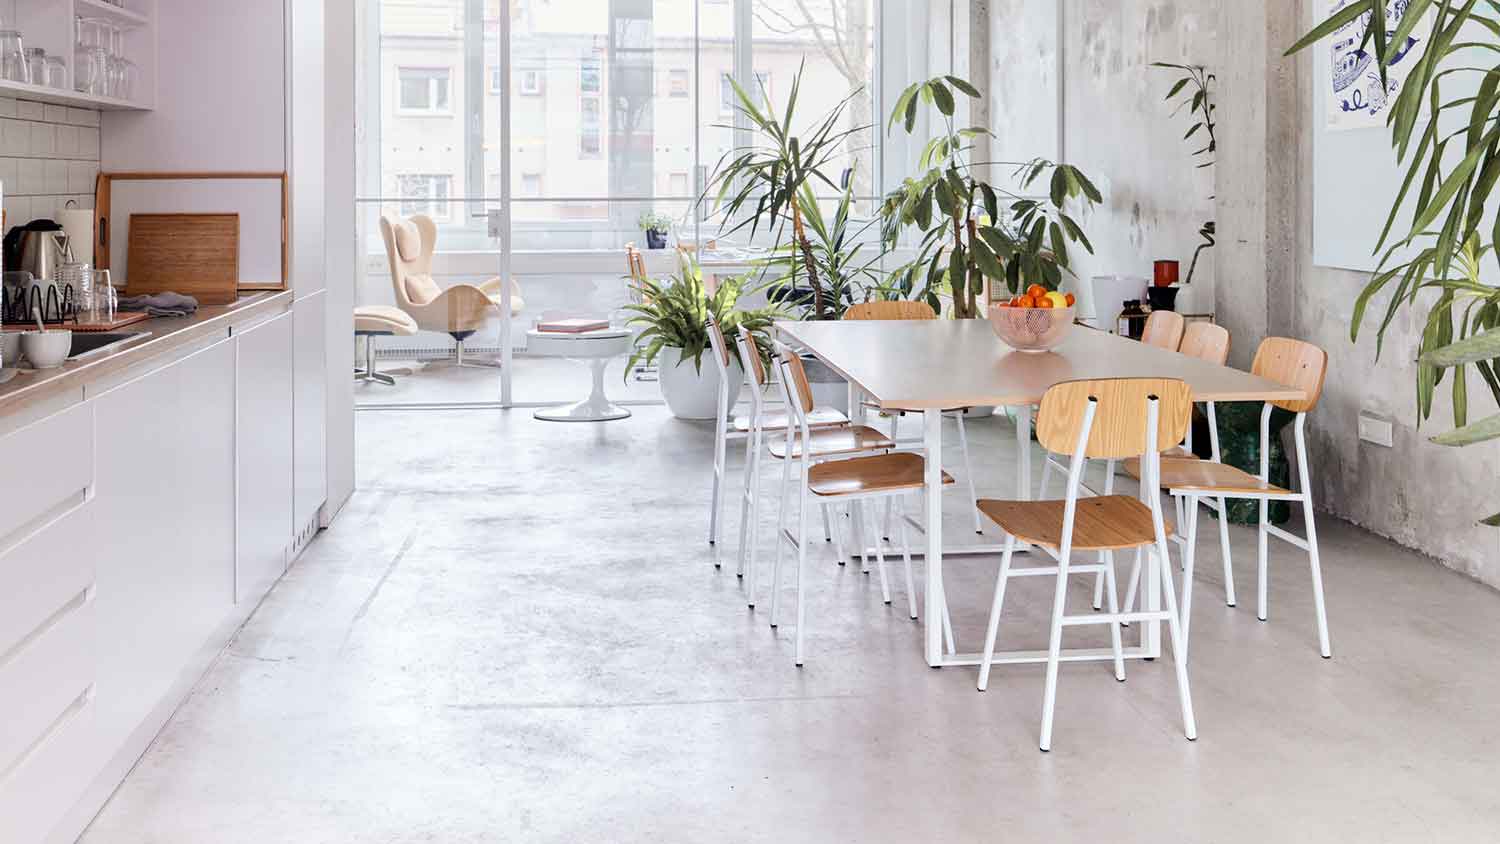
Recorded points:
(692,393)
(829,389)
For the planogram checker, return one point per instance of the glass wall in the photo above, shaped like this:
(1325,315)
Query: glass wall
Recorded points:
(536,134)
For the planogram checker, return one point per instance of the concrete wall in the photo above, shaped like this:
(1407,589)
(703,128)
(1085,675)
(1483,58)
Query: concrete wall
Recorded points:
(1416,493)
(1262,280)
(1114,122)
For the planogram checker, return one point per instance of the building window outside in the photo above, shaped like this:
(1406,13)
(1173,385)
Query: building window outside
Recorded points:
(530,83)
(589,127)
(677,185)
(589,76)
(757,92)
(679,83)
(531,184)
(425,90)
(425,193)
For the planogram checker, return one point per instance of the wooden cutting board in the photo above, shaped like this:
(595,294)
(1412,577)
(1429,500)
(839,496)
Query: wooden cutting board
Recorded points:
(194,254)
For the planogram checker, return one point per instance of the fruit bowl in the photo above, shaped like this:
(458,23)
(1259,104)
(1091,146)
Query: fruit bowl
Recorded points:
(1030,329)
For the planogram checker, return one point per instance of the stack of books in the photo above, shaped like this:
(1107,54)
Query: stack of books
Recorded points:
(572,326)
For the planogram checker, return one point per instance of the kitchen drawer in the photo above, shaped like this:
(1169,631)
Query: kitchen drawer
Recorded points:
(46,464)
(44,572)
(41,678)
(39,791)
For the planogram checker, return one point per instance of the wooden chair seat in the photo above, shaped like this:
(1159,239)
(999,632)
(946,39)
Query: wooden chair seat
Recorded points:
(829,442)
(1109,522)
(881,473)
(1208,477)
(818,417)
(1132,466)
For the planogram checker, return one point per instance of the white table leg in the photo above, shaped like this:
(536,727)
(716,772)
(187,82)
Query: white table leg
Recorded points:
(856,404)
(932,440)
(1023,453)
(595,408)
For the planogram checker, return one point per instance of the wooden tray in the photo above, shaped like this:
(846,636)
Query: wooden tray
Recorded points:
(122,319)
(194,254)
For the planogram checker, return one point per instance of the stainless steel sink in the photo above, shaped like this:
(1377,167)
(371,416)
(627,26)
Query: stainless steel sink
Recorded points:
(86,344)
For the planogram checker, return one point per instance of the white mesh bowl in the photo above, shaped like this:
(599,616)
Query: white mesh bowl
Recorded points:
(1031,329)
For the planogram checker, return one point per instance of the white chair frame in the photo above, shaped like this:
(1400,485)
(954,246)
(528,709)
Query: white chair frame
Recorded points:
(1264,531)
(1150,462)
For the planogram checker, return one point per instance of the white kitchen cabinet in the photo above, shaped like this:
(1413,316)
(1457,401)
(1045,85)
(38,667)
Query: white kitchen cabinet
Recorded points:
(264,529)
(164,544)
(310,408)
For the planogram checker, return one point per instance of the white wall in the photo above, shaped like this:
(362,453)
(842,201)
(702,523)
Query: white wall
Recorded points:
(341,228)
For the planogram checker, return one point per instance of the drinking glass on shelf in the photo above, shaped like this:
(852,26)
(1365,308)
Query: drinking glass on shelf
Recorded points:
(13,57)
(36,64)
(125,78)
(57,72)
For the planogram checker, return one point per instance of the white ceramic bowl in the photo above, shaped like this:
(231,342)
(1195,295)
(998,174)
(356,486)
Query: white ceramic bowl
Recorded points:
(47,349)
(10,348)
(1031,329)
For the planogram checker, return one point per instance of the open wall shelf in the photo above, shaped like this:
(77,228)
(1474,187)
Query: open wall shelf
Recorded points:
(50,24)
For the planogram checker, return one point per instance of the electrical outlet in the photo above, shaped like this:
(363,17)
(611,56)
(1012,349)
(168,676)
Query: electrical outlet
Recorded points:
(1376,429)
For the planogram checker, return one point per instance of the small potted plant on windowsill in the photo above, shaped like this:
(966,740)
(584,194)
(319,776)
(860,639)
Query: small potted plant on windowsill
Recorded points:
(657,227)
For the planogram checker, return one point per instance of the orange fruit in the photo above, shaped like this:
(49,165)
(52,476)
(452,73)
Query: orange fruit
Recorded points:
(1045,302)
(1026,302)
(1036,291)
(1072,300)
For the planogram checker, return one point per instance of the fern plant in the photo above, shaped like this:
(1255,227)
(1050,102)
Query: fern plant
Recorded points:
(674,314)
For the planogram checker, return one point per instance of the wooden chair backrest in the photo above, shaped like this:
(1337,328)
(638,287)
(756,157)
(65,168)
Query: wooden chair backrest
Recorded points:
(1296,364)
(890,311)
(716,340)
(749,349)
(1119,429)
(1163,330)
(1206,341)
(799,388)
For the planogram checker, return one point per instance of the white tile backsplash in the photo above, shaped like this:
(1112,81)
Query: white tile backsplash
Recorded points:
(49,156)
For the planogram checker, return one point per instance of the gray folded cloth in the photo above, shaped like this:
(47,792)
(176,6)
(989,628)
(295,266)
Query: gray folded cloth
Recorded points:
(163,304)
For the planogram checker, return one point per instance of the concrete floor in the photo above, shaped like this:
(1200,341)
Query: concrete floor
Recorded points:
(537,379)
(513,633)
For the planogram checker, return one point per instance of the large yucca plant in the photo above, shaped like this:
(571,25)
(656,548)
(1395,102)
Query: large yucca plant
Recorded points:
(760,186)
(1451,156)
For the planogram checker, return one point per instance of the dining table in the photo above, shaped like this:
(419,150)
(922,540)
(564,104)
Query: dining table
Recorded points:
(928,367)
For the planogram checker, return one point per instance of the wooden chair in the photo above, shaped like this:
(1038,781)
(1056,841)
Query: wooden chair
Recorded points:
(1106,419)
(1164,330)
(853,481)
(825,443)
(908,310)
(742,426)
(1297,364)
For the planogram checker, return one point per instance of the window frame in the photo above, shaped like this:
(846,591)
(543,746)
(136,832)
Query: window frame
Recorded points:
(432,71)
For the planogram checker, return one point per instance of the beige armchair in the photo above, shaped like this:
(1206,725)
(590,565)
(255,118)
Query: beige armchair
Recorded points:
(460,310)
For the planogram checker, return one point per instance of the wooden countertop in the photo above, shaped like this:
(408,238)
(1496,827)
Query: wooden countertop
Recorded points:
(167,333)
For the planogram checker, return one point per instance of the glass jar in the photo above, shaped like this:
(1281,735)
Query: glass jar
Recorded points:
(57,72)
(13,56)
(76,279)
(36,65)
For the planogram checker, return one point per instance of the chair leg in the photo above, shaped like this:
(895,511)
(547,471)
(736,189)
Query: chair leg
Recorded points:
(1041,493)
(1179,644)
(786,491)
(747,506)
(827,527)
(857,517)
(996,605)
(963,448)
(721,435)
(911,589)
(1189,558)
(885,586)
(1115,639)
(1224,552)
(1109,477)
(1132,583)
(755,481)
(838,532)
(1317,577)
(1054,652)
(1099,588)
(1260,573)
(801,575)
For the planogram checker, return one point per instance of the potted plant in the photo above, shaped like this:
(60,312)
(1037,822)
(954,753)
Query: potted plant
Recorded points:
(970,243)
(1194,88)
(657,227)
(674,315)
